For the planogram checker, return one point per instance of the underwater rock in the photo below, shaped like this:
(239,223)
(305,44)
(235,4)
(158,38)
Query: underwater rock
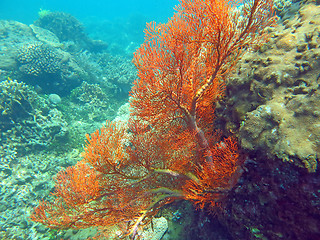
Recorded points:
(273,200)
(54,99)
(63,25)
(67,28)
(155,231)
(46,36)
(287,42)
(273,99)
(288,131)
(12,33)
(281,5)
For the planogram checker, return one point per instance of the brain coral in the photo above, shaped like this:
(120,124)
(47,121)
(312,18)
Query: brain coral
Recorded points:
(37,58)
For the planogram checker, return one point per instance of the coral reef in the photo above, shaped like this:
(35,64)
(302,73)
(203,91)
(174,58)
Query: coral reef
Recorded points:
(48,67)
(91,94)
(18,101)
(273,99)
(119,73)
(24,179)
(272,104)
(7,154)
(91,102)
(35,55)
(34,128)
(115,73)
(169,150)
(38,58)
(68,28)
(26,121)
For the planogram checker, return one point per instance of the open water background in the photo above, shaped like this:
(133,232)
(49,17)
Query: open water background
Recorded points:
(27,11)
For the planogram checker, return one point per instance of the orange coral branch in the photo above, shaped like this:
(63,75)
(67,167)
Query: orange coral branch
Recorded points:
(77,185)
(189,57)
(171,149)
(209,185)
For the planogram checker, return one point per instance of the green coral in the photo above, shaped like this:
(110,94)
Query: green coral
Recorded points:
(43,12)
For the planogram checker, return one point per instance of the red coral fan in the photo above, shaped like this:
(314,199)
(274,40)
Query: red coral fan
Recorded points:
(171,149)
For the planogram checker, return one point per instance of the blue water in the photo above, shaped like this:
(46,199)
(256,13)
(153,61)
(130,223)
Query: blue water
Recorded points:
(27,11)
(118,23)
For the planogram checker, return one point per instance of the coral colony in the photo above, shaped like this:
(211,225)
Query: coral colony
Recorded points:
(169,149)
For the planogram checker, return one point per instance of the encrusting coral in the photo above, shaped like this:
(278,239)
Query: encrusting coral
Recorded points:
(172,150)
(273,98)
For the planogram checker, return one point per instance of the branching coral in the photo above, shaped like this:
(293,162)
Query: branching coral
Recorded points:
(26,122)
(172,150)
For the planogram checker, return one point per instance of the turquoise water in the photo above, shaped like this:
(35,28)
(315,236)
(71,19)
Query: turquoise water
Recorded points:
(102,20)
(26,11)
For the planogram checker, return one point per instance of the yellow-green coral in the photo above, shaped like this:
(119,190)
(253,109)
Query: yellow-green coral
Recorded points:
(43,12)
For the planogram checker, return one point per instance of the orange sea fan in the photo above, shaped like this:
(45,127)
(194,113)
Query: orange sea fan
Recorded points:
(78,184)
(105,147)
(170,149)
(211,182)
